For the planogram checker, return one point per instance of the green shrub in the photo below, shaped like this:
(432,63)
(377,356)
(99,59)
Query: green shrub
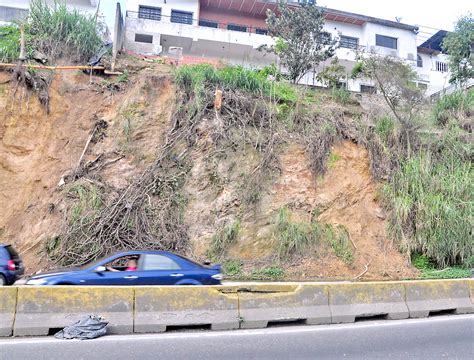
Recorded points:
(384,127)
(87,201)
(9,43)
(428,270)
(224,238)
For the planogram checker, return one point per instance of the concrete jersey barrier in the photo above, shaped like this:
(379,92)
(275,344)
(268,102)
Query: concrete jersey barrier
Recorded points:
(40,309)
(349,301)
(157,308)
(423,297)
(260,304)
(7,310)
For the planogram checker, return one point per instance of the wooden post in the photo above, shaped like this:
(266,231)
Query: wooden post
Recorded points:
(218,100)
(22,57)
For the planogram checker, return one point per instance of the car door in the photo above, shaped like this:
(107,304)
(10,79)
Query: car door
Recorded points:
(101,276)
(158,269)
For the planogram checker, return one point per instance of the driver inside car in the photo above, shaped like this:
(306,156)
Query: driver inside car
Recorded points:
(131,265)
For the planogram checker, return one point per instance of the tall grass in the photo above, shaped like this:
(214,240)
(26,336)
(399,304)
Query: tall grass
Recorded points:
(459,103)
(431,198)
(9,43)
(196,78)
(61,32)
(338,238)
(294,238)
(224,238)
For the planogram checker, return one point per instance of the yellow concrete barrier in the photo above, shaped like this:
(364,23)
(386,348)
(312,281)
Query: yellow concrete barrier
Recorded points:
(425,296)
(349,301)
(7,310)
(157,308)
(40,309)
(260,304)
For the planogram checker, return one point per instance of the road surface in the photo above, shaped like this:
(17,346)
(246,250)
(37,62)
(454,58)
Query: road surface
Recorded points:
(447,337)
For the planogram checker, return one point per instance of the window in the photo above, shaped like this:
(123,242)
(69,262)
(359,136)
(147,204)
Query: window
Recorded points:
(325,38)
(441,66)
(349,42)
(261,31)
(207,23)
(149,12)
(386,41)
(419,61)
(341,85)
(234,27)
(367,89)
(142,38)
(182,17)
(159,262)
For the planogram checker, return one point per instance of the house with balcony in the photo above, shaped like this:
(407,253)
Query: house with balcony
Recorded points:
(232,31)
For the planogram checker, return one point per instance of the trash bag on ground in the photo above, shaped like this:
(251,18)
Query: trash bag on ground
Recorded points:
(89,327)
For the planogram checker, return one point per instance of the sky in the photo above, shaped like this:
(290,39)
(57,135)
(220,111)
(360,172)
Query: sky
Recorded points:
(430,15)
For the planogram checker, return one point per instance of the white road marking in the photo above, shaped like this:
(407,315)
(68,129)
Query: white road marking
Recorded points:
(246,332)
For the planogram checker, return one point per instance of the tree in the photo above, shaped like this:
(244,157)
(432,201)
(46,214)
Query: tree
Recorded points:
(459,45)
(396,82)
(332,74)
(301,44)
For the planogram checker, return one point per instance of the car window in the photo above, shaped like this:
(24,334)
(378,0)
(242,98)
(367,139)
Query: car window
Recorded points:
(159,262)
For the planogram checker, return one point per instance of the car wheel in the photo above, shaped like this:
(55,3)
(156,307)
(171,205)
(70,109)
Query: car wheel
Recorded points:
(3,281)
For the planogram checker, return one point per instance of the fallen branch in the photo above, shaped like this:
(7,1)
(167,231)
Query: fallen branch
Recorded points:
(363,272)
(45,67)
(352,241)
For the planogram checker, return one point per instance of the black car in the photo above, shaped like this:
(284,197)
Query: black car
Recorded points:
(11,266)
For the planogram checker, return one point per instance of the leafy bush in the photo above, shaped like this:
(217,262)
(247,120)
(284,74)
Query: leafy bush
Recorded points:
(384,127)
(9,43)
(431,201)
(87,201)
(428,270)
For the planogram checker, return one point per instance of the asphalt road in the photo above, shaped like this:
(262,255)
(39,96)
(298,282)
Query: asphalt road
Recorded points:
(449,337)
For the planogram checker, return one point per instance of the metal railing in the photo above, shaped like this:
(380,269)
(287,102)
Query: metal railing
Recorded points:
(185,20)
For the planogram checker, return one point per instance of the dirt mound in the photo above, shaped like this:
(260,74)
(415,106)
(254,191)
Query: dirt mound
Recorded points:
(37,149)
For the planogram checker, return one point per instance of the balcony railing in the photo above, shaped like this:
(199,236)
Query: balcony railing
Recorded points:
(187,19)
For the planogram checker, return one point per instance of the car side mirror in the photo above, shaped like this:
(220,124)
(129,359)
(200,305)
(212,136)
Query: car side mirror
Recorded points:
(100,269)
(207,263)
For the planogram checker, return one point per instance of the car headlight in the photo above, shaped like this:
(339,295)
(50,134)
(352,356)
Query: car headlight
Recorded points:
(36,282)
(217,276)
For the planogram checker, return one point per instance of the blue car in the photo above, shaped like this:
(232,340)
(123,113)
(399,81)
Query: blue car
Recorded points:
(135,268)
(11,266)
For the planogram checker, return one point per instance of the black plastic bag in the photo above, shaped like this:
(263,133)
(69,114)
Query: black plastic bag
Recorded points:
(89,327)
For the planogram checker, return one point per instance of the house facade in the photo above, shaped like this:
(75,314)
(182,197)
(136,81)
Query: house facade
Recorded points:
(14,10)
(232,31)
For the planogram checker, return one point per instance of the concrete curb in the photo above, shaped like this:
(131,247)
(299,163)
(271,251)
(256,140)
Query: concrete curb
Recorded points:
(40,309)
(8,296)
